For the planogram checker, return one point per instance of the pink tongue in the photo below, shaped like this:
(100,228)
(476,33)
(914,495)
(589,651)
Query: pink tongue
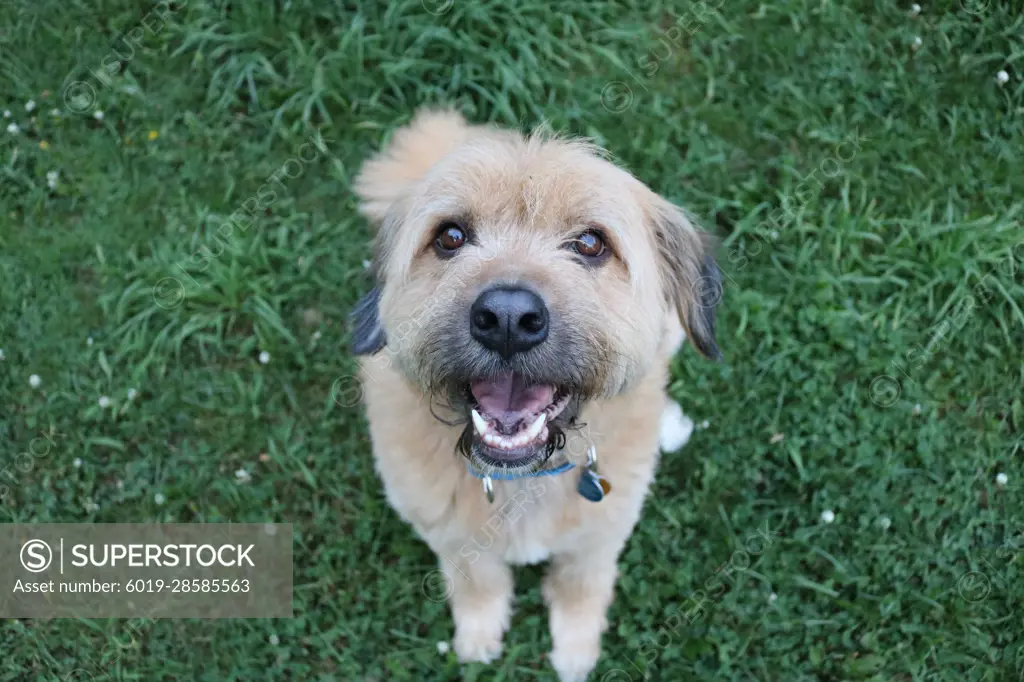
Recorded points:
(509,400)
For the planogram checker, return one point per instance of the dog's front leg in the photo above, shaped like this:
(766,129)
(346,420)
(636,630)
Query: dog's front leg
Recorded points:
(481,592)
(578,590)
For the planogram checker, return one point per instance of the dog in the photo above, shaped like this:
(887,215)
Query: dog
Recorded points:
(513,360)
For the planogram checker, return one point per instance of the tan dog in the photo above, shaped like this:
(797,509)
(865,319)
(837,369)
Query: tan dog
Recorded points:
(529,297)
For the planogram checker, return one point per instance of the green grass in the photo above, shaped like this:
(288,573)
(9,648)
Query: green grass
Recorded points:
(864,272)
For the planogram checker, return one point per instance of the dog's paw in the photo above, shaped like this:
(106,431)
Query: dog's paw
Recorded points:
(574,663)
(478,640)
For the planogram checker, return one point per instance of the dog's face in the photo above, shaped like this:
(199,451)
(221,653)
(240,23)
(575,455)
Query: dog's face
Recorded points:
(519,279)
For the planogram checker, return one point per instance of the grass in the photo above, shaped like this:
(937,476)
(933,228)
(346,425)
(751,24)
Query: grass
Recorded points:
(869,194)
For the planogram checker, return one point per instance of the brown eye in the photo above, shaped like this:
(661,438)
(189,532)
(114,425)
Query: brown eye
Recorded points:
(450,238)
(590,245)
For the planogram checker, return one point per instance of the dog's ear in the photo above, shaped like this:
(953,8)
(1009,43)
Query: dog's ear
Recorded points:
(689,274)
(393,172)
(368,336)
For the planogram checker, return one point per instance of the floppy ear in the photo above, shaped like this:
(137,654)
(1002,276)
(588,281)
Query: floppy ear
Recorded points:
(368,336)
(689,275)
(413,150)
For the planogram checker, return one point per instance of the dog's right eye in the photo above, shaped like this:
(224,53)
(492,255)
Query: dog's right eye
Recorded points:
(450,238)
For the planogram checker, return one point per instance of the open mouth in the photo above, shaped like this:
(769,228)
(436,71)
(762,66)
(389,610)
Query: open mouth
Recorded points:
(513,420)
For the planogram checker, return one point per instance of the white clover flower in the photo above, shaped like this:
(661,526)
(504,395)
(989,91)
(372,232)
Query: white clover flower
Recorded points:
(1002,479)
(243,476)
(132,393)
(443,647)
(77,463)
(55,112)
(34,381)
(104,402)
(917,43)
(159,498)
(7,113)
(772,598)
(274,640)
(264,357)
(828,516)
(30,105)
(915,9)
(705,424)
(91,506)
(1002,77)
(884,522)
(98,115)
(51,180)
(88,341)
(316,335)
(13,128)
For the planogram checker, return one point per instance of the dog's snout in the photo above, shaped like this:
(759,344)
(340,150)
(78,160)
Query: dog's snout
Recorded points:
(509,320)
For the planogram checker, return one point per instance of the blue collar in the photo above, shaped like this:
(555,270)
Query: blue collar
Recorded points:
(591,485)
(498,476)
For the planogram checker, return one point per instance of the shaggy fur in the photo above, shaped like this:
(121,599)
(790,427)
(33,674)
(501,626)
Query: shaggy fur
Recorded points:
(613,330)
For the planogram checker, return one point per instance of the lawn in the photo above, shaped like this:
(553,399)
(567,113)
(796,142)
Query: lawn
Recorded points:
(850,506)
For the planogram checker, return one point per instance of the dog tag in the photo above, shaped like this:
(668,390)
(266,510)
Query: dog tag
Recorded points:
(593,486)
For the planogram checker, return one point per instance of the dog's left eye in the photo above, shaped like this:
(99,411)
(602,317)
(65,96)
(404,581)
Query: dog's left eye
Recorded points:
(590,245)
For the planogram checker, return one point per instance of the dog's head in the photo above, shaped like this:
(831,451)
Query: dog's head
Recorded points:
(520,277)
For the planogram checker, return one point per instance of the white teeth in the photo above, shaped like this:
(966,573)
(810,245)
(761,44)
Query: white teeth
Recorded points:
(535,428)
(479,423)
(489,436)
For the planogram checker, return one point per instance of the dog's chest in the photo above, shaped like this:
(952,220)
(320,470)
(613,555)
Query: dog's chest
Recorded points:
(532,519)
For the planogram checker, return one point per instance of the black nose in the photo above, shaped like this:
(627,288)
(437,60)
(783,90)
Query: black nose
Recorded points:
(509,320)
